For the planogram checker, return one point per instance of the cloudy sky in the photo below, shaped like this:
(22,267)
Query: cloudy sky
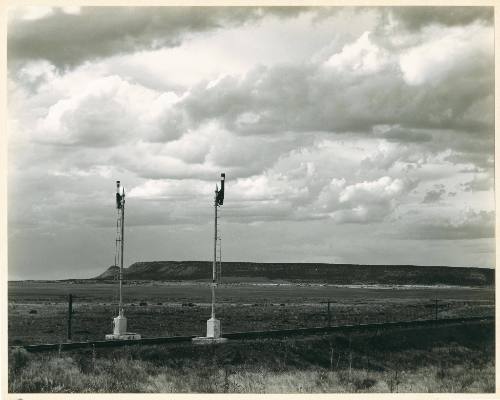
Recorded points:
(347,135)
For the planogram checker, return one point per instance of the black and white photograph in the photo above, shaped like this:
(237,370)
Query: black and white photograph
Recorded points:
(250,199)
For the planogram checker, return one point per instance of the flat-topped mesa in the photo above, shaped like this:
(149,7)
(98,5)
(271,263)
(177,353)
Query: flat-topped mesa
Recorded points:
(341,274)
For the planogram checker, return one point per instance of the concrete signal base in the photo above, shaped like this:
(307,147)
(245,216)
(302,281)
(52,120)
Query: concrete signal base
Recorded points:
(213,333)
(120,330)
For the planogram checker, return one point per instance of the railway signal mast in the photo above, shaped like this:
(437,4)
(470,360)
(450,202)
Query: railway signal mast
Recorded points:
(120,322)
(213,324)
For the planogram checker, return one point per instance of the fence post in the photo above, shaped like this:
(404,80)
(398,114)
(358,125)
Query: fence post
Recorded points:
(436,309)
(70,314)
(329,317)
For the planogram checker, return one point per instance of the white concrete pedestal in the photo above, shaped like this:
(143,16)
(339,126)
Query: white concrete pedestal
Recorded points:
(120,330)
(213,333)
(213,328)
(119,325)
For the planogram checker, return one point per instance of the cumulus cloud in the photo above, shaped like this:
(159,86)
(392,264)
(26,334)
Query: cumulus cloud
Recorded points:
(370,201)
(362,56)
(67,39)
(454,50)
(298,186)
(108,112)
(302,98)
(355,124)
(315,97)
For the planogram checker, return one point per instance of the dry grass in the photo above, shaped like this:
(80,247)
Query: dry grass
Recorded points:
(61,374)
(433,359)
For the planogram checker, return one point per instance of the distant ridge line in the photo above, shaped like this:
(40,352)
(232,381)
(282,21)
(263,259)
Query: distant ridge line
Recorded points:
(307,272)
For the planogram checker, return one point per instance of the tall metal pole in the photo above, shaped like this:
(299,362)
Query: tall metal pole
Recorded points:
(121,250)
(214,265)
(219,279)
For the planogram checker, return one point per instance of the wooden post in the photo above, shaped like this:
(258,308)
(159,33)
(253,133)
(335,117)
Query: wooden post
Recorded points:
(436,309)
(329,317)
(70,314)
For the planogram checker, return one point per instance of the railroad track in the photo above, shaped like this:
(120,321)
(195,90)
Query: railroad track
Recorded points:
(254,334)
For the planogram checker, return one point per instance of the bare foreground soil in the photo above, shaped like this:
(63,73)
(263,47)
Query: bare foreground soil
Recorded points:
(458,358)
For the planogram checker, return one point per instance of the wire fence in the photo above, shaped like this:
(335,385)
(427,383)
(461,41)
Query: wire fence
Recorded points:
(335,313)
(38,323)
